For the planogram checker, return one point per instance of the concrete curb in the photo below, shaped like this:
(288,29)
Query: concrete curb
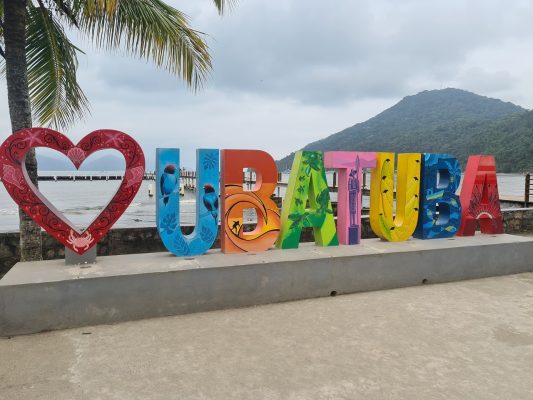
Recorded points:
(48,295)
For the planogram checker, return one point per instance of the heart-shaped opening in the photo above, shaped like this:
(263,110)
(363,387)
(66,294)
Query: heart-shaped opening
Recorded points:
(82,200)
(39,208)
(78,195)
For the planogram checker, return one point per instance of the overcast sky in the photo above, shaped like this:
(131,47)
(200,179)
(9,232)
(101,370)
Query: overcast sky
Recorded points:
(288,72)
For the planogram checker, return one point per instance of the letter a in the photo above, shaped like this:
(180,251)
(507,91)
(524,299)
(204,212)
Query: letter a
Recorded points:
(479,197)
(307,182)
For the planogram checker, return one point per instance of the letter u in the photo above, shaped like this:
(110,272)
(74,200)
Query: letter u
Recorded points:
(384,224)
(168,201)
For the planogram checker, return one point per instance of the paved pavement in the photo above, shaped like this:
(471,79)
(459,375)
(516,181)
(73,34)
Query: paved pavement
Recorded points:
(465,340)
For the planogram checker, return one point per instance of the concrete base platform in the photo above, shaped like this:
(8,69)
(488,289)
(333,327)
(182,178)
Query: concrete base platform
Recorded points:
(40,296)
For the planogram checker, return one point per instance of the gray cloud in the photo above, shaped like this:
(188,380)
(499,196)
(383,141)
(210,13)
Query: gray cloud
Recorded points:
(356,49)
(476,79)
(339,52)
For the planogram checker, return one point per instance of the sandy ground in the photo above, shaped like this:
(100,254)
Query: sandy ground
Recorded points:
(465,340)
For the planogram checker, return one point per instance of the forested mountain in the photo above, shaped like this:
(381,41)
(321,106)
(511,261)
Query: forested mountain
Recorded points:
(449,121)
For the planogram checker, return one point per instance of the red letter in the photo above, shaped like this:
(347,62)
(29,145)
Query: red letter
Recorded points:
(479,197)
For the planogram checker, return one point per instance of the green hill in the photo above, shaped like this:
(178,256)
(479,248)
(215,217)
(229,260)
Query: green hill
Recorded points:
(449,121)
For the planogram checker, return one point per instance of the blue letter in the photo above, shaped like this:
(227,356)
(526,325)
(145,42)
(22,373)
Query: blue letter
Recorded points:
(168,203)
(440,178)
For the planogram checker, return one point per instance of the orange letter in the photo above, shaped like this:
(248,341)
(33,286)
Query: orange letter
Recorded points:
(235,200)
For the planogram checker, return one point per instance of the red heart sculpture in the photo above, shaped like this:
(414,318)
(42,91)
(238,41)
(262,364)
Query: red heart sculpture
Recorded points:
(15,178)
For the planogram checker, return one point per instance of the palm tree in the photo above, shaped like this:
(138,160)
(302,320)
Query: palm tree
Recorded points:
(41,61)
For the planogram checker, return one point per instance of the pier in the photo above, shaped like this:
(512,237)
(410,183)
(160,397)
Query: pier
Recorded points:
(526,200)
(188,178)
(188,181)
(527,192)
(103,176)
(249,181)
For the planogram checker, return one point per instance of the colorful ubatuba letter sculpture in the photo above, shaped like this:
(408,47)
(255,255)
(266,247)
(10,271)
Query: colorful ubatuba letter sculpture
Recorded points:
(479,197)
(235,200)
(350,166)
(307,182)
(382,221)
(168,201)
(440,177)
(15,178)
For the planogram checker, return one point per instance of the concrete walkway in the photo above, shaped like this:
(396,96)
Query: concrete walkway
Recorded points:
(466,340)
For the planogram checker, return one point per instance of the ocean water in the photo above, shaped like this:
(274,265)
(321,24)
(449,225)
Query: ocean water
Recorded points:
(81,201)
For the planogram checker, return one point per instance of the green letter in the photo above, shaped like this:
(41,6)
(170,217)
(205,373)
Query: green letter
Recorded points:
(307,183)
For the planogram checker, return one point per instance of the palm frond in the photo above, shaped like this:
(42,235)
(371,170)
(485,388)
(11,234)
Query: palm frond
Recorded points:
(148,29)
(63,8)
(95,7)
(223,5)
(56,97)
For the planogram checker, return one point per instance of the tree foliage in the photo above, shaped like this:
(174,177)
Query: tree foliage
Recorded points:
(146,29)
(442,121)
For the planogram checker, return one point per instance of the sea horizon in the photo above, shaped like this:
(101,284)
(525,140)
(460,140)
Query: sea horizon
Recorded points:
(81,201)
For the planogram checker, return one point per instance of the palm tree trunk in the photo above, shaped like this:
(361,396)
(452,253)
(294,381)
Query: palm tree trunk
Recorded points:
(18,94)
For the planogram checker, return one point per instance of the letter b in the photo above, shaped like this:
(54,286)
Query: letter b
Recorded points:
(440,178)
